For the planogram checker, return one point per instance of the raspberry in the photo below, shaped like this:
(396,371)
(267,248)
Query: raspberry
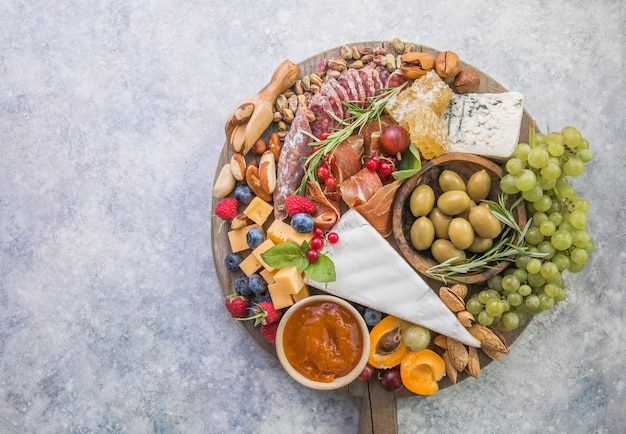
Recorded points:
(268,331)
(226,209)
(295,204)
(236,305)
(265,313)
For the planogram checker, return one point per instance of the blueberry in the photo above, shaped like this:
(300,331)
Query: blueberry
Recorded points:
(257,284)
(263,296)
(302,223)
(232,261)
(241,284)
(254,237)
(359,307)
(372,317)
(244,194)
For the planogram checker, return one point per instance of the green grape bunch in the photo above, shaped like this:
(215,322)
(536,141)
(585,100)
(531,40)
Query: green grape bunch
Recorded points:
(540,170)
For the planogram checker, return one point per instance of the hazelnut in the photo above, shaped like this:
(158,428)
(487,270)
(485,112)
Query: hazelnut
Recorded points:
(447,64)
(466,81)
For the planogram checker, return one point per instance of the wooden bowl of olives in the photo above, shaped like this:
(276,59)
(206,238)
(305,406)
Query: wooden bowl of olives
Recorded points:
(442,213)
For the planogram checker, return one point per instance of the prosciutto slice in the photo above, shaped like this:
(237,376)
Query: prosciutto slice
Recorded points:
(327,210)
(360,187)
(347,158)
(290,170)
(378,209)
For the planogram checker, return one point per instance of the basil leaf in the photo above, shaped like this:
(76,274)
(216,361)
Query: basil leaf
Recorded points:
(410,163)
(322,270)
(283,255)
(404,174)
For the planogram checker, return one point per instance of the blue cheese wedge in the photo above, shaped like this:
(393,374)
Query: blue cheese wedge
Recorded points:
(372,273)
(486,124)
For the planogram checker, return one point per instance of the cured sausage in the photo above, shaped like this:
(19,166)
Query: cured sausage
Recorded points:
(290,170)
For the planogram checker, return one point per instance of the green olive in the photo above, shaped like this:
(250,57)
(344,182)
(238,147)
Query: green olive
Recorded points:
(422,233)
(443,250)
(480,244)
(485,224)
(441,222)
(465,214)
(422,200)
(479,185)
(453,202)
(450,180)
(461,233)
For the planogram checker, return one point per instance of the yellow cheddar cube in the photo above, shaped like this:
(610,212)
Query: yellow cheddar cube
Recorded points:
(250,265)
(281,301)
(237,238)
(290,278)
(258,210)
(279,288)
(304,293)
(281,232)
(268,275)
(262,248)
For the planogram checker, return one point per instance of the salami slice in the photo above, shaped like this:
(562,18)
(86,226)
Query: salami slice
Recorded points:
(321,107)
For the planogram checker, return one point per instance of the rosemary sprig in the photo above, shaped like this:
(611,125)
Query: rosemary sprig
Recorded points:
(511,243)
(358,117)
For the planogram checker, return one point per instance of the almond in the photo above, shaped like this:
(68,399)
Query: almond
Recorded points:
(441,341)
(259,147)
(465,318)
(473,362)
(458,354)
(489,338)
(492,354)
(451,371)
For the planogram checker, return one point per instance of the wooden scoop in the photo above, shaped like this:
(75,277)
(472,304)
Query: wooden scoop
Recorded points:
(245,125)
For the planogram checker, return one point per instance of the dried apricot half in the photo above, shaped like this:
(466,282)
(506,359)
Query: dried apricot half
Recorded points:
(386,344)
(421,370)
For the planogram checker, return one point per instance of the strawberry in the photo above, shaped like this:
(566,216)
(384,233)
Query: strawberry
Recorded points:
(295,204)
(226,209)
(236,305)
(265,313)
(268,331)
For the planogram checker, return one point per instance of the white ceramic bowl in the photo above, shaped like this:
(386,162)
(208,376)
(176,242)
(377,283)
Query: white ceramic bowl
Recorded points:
(338,382)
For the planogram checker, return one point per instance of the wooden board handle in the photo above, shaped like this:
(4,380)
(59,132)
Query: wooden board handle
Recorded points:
(283,78)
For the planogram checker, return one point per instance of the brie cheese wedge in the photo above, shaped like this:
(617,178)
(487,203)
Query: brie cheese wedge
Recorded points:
(372,273)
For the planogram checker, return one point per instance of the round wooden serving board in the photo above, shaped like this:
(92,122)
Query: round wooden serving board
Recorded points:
(378,409)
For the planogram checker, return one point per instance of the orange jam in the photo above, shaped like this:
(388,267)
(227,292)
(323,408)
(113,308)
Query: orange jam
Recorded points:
(322,340)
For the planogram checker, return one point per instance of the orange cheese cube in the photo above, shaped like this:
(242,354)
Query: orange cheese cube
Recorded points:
(281,232)
(262,248)
(281,301)
(258,210)
(237,238)
(250,265)
(304,293)
(279,288)
(290,278)
(268,275)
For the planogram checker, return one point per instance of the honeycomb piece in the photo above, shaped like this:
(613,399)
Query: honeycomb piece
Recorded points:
(427,130)
(429,89)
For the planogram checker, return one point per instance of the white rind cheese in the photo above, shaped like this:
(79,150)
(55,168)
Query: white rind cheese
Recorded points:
(486,124)
(372,273)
